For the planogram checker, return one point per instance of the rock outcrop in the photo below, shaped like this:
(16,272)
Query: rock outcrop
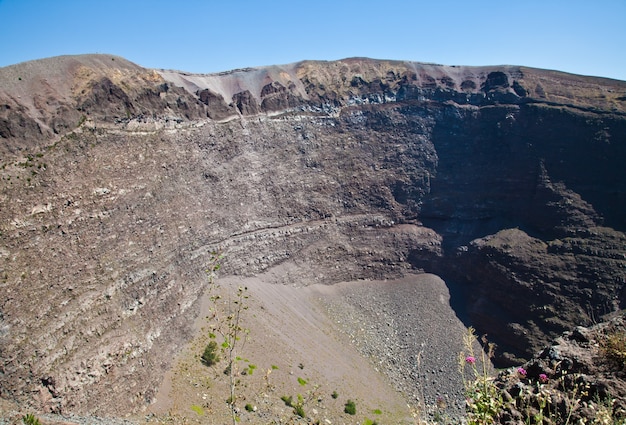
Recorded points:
(118,182)
(577,378)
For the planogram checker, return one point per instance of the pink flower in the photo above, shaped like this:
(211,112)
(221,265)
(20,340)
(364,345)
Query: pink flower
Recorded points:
(543,377)
(521,371)
(470,360)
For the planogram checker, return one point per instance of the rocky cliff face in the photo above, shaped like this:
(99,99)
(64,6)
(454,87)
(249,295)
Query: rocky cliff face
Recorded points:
(118,181)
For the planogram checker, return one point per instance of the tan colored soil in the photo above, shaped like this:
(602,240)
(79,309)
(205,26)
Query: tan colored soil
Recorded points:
(295,333)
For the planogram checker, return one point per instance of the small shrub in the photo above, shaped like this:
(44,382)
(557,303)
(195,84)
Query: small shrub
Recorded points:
(350,407)
(210,355)
(334,395)
(30,419)
(302,381)
(614,349)
(299,410)
(288,400)
(249,407)
(197,409)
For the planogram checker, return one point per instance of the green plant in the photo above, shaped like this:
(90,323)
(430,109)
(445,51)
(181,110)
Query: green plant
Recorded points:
(606,414)
(249,407)
(198,409)
(302,381)
(350,407)
(227,324)
(288,400)
(484,401)
(30,419)
(210,355)
(298,409)
(335,394)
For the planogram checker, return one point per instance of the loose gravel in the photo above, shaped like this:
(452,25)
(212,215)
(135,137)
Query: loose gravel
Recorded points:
(408,330)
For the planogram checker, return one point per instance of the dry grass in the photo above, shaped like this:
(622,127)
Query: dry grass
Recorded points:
(613,348)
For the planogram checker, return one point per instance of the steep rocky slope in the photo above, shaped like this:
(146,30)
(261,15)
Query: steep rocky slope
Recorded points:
(578,378)
(118,181)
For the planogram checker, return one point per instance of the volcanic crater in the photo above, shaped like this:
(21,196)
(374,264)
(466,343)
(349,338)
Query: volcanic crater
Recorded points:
(374,209)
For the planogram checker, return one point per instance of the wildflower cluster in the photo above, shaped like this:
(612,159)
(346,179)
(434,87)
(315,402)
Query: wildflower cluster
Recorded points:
(542,394)
(483,399)
(534,400)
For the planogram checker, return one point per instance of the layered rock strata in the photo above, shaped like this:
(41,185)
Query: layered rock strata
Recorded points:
(118,182)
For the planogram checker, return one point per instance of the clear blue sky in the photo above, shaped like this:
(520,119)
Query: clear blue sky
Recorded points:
(580,36)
